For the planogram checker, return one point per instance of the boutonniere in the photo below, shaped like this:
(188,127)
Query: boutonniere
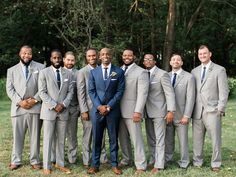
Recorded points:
(113,74)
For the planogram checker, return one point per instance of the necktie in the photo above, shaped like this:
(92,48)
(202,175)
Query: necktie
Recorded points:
(105,74)
(126,67)
(26,71)
(58,78)
(149,74)
(174,79)
(203,74)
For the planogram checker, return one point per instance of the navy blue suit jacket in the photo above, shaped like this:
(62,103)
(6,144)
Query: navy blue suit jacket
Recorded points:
(107,92)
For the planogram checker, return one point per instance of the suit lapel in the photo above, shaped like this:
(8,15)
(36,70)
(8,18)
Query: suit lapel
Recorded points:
(53,77)
(208,73)
(63,77)
(179,78)
(153,74)
(19,68)
(107,82)
(31,69)
(100,76)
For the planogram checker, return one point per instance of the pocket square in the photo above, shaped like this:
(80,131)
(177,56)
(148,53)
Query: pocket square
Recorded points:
(65,80)
(36,72)
(153,82)
(113,79)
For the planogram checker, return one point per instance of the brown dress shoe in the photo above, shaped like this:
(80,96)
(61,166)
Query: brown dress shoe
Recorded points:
(92,170)
(154,170)
(14,167)
(36,166)
(116,170)
(139,171)
(63,169)
(215,169)
(47,172)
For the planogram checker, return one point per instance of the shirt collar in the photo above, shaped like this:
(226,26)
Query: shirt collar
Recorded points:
(152,70)
(108,67)
(177,72)
(91,66)
(128,67)
(207,65)
(54,69)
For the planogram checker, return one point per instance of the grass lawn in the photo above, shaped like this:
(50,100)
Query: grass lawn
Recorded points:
(228,152)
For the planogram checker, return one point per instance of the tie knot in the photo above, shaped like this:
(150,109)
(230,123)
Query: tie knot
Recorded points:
(175,74)
(57,70)
(204,67)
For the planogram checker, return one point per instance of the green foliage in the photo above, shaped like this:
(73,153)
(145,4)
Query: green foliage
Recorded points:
(3,94)
(232,86)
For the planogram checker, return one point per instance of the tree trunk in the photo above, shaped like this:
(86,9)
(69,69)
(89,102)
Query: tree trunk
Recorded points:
(169,38)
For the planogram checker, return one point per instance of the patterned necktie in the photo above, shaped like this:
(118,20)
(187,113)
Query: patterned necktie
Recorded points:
(203,74)
(174,79)
(105,74)
(26,71)
(58,78)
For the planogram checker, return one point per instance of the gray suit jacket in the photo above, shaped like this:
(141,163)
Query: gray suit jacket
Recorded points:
(161,97)
(85,102)
(74,102)
(184,95)
(136,91)
(51,95)
(18,88)
(212,93)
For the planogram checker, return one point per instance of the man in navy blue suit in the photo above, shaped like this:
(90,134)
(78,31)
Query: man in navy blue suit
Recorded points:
(106,87)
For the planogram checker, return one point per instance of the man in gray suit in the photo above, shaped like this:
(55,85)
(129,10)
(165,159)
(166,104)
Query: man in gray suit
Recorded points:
(211,98)
(86,105)
(22,89)
(72,124)
(132,105)
(56,91)
(160,107)
(184,87)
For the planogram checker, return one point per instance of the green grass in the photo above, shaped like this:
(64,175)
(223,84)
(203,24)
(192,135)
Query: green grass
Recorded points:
(228,152)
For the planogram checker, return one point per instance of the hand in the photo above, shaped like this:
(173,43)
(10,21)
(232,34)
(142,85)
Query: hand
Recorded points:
(102,110)
(184,120)
(24,104)
(169,117)
(32,101)
(59,108)
(136,117)
(85,116)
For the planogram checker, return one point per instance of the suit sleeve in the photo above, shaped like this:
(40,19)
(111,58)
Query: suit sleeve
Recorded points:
(42,90)
(81,92)
(190,97)
(169,92)
(92,91)
(142,91)
(119,92)
(223,90)
(11,92)
(36,96)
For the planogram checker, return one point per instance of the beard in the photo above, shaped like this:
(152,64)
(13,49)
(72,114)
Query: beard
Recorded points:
(56,65)
(25,63)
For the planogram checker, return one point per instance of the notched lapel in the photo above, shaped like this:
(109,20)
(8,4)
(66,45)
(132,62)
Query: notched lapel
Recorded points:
(179,78)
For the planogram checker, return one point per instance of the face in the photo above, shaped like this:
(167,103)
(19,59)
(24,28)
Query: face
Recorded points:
(176,62)
(25,55)
(128,57)
(91,57)
(56,59)
(69,61)
(204,55)
(149,61)
(105,56)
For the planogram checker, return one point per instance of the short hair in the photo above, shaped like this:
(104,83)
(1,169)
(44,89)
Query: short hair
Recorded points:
(174,54)
(90,48)
(69,53)
(26,46)
(57,51)
(203,46)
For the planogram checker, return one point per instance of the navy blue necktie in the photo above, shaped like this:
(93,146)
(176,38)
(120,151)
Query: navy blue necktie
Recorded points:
(105,74)
(174,79)
(26,71)
(203,74)
(58,78)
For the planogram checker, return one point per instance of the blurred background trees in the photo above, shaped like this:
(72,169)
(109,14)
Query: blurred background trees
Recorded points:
(161,27)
